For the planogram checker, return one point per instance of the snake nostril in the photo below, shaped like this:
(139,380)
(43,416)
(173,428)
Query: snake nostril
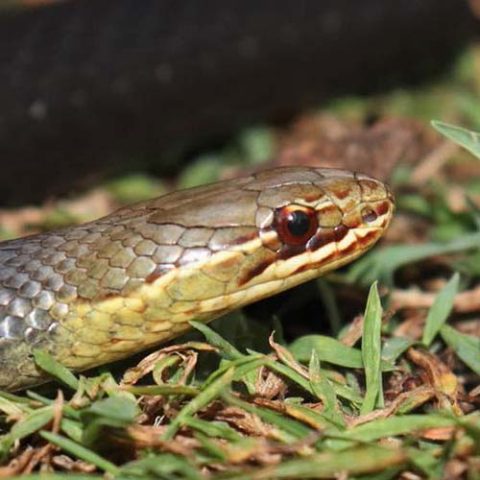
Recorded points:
(368,215)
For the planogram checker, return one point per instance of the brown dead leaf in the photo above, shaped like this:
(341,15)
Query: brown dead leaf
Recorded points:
(187,354)
(353,332)
(269,384)
(18,464)
(464,302)
(412,326)
(455,468)
(291,411)
(439,376)
(287,358)
(245,422)
(256,449)
(149,436)
(432,163)
(438,434)
(323,140)
(68,464)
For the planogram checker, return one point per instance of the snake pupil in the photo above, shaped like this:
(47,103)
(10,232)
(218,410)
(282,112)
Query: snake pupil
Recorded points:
(298,223)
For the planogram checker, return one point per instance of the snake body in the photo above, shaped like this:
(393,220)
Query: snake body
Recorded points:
(100,291)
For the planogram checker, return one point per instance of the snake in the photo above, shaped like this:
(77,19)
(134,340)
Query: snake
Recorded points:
(97,292)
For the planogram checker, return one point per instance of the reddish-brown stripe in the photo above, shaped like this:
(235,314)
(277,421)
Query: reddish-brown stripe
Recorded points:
(382,208)
(159,271)
(288,251)
(321,238)
(349,248)
(311,197)
(340,231)
(229,262)
(366,185)
(368,238)
(325,236)
(327,210)
(341,193)
(321,263)
(255,271)
(244,238)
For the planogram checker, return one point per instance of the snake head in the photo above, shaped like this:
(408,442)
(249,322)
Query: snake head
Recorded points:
(311,221)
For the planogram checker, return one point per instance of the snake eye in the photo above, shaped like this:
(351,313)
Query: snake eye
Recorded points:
(295,224)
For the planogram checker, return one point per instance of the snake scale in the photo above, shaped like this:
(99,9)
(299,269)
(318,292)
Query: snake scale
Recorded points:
(97,292)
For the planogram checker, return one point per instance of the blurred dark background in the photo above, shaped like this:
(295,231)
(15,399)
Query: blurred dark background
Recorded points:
(94,88)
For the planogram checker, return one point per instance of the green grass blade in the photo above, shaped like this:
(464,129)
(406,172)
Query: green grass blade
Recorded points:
(428,463)
(371,350)
(48,364)
(81,452)
(398,425)
(467,347)
(383,262)
(328,464)
(165,466)
(116,411)
(341,390)
(213,449)
(440,310)
(227,350)
(60,476)
(72,429)
(328,349)
(394,347)
(213,429)
(33,422)
(324,391)
(462,136)
(11,407)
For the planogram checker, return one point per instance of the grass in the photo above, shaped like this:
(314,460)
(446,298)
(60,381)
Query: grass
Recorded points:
(389,394)
(261,415)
